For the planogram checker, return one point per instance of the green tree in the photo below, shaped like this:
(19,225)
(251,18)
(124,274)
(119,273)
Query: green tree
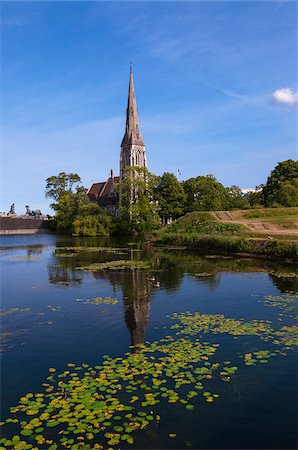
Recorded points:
(287,193)
(256,199)
(170,196)
(58,185)
(236,198)
(91,220)
(205,193)
(285,171)
(138,209)
(75,213)
(67,209)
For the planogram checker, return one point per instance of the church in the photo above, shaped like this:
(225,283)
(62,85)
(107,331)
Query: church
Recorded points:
(132,154)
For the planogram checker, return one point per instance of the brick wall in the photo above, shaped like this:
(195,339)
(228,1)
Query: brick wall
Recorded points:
(15,225)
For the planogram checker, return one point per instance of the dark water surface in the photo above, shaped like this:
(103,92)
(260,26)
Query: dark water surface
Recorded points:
(54,326)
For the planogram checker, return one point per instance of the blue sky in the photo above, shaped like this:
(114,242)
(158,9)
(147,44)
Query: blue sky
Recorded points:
(216,87)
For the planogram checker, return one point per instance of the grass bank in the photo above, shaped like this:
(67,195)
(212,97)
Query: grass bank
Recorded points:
(269,213)
(207,232)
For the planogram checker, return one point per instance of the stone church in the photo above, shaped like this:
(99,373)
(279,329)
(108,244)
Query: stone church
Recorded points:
(132,154)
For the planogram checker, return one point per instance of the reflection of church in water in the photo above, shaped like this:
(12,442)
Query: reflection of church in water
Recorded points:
(136,291)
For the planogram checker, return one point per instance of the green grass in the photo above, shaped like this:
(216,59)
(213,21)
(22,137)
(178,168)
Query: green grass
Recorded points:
(270,212)
(208,227)
(203,231)
(187,221)
(286,223)
(202,223)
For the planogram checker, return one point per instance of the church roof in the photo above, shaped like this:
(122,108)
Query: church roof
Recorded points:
(132,133)
(103,192)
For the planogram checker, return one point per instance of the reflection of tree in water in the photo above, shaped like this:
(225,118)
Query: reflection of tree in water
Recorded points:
(63,275)
(168,271)
(285,284)
(177,263)
(210,280)
(136,299)
(173,265)
(169,268)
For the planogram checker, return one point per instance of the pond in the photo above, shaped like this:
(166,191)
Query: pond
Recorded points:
(109,343)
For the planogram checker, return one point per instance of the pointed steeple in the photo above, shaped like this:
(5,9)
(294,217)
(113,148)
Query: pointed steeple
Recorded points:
(133,150)
(132,135)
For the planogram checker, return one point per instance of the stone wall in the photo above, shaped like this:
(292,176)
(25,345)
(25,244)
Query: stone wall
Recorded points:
(21,225)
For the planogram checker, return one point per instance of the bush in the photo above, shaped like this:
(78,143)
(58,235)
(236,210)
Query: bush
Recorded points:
(231,244)
(89,226)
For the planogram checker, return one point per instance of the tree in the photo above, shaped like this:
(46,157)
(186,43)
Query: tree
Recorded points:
(285,171)
(205,193)
(74,212)
(138,210)
(170,196)
(67,209)
(236,198)
(91,220)
(256,198)
(57,185)
(287,193)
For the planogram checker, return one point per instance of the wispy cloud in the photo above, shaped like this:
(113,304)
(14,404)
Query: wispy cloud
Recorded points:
(285,96)
(248,99)
(172,49)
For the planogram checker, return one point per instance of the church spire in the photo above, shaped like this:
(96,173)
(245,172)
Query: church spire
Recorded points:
(133,151)
(132,135)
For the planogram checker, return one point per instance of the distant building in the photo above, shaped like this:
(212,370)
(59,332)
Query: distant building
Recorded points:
(132,154)
(248,190)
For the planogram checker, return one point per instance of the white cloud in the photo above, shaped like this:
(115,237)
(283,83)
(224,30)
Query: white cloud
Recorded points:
(285,96)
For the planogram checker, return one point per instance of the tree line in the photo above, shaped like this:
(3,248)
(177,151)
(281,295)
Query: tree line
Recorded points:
(147,199)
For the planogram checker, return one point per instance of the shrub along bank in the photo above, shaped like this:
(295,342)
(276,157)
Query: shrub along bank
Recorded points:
(231,244)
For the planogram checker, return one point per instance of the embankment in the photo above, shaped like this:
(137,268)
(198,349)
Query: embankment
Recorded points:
(23,225)
(263,232)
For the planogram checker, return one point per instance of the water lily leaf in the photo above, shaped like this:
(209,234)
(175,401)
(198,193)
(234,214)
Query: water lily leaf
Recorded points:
(53,423)
(26,432)
(189,407)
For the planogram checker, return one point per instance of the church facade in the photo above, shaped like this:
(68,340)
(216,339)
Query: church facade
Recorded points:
(132,154)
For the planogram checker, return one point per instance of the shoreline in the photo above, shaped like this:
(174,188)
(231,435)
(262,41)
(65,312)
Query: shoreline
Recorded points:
(22,232)
(241,247)
(221,253)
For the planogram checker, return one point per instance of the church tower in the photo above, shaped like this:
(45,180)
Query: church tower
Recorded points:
(133,151)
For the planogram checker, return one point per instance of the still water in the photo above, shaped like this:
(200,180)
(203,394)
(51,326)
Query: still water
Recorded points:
(49,319)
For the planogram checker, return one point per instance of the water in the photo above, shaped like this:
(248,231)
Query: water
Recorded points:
(55,326)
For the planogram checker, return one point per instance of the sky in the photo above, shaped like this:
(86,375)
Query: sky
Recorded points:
(216,88)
